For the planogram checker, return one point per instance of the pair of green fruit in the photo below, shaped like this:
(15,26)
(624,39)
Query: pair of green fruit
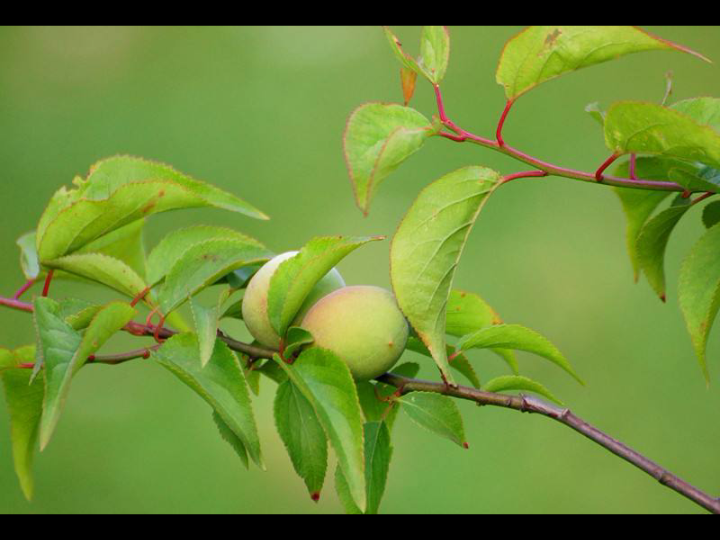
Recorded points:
(361,324)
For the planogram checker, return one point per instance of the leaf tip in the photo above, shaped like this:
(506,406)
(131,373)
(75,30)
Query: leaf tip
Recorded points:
(27,489)
(44,439)
(315,496)
(689,51)
(466,446)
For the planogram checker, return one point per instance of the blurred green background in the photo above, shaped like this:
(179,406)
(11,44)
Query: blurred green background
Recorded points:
(260,111)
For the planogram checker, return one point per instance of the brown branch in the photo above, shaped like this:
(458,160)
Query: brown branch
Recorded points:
(564,416)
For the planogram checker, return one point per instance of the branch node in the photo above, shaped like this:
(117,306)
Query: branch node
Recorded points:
(29,283)
(609,161)
(633,166)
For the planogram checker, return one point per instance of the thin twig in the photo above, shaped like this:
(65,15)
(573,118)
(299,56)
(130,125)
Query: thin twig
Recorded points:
(111,359)
(501,123)
(703,197)
(566,417)
(523,174)
(466,136)
(29,283)
(16,304)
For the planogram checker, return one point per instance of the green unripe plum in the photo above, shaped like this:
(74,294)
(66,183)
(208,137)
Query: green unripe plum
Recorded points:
(254,305)
(363,326)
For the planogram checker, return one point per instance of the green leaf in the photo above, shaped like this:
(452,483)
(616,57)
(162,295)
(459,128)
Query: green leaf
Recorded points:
(437,413)
(252,376)
(303,436)
(295,340)
(64,352)
(78,313)
(119,191)
(639,204)
(704,110)
(378,138)
(699,291)
(57,344)
(517,382)
(202,264)
(514,336)
(125,244)
(594,110)
(206,327)
(295,278)
(373,408)
(272,371)
(434,52)
(405,59)
(344,494)
(107,175)
(239,279)
(651,245)
(234,310)
(468,312)
(427,247)
(7,359)
(325,380)
(378,452)
(24,400)
(541,53)
(173,246)
(28,255)
(702,178)
(106,322)
(60,200)
(233,440)
(637,127)
(102,269)
(711,214)
(220,383)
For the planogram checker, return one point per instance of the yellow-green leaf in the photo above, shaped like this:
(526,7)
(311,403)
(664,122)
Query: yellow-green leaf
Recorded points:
(24,400)
(426,250)
(378,138)
(514,336)
(699,291)
(541,53)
